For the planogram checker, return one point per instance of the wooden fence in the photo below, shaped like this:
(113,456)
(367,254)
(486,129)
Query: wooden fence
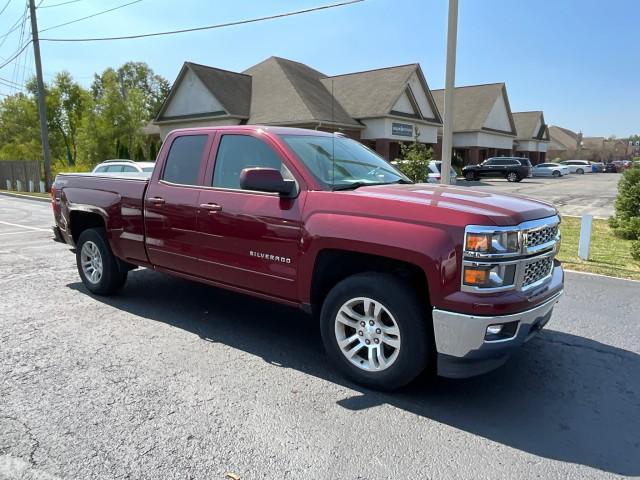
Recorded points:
(20,175)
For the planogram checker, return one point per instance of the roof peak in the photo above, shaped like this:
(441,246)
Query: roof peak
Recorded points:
(213,68)
(375,70)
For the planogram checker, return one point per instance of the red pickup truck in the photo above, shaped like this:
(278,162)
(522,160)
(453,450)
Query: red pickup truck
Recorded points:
(402,276)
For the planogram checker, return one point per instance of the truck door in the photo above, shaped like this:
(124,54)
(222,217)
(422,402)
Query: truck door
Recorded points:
(249,239)
(171,202)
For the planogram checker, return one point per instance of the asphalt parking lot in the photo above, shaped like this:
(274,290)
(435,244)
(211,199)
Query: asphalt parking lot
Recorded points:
(173,379)
(572,194)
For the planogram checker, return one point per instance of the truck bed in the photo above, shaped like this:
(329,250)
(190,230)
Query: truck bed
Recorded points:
(118,198)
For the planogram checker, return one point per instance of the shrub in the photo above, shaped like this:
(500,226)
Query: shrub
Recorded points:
(635,250)
(626,222)
(415,160)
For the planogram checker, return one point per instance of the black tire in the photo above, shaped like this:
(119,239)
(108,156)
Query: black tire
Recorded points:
(513,177)
(556,173)
(470,176)
(580,171)
(113,275)
(410,316)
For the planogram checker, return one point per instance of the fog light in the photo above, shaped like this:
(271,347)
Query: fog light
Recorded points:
(494,329)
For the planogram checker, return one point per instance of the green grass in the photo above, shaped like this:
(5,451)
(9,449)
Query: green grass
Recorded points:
(29,194)
(608,255)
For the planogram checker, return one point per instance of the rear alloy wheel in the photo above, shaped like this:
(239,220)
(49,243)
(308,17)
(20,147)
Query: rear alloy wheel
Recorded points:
(375,330)
(580,171)
(513,177)
(98,267)
(469,176)
(556,173)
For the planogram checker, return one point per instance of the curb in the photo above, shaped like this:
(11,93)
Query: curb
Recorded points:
(602,275)
(28,197)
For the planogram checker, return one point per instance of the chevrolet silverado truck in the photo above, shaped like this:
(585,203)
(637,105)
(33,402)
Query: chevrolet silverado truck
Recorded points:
(402,277)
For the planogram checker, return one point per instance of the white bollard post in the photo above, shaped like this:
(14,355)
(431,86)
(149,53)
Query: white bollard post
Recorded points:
(31,185)
(42,187)
(585,237)
(18,185)
(8,184)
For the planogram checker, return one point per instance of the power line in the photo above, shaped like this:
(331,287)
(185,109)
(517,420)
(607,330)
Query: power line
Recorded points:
(208,27)
(89,16)
(6,80)
(5,7)
(13,27)
(59,4)
(16,55)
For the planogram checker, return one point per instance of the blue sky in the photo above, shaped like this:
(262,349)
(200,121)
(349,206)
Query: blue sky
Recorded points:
(577,60)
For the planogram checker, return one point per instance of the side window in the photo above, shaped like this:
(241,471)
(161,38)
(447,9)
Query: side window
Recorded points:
(127,168)
(101,169)
(183,161)
(490,162)
(114,168)
(237,152)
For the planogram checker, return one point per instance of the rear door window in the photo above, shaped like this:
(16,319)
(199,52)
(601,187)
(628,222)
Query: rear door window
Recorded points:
(184,159)
(114,168)
(127,168)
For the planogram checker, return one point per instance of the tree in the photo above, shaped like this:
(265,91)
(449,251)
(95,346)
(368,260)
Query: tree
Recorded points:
(415,157)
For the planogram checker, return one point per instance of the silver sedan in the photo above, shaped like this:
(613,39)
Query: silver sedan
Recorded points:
(550,170)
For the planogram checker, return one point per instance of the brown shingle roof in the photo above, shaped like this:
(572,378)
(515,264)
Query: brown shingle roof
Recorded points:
(290,92)
(526,123)
(373,93)
(472,105)
(562,138)
(231,89)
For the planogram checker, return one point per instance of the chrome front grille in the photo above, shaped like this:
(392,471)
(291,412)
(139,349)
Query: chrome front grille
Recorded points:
(541,236)
(536,271)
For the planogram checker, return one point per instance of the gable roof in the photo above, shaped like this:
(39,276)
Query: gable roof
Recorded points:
(472,105)
(593,143)
(562,138)
(231,89)
(530,126)
(373,93)
(284,89)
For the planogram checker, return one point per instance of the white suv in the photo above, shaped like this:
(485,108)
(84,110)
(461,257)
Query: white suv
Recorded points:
(578,166)
(123,166)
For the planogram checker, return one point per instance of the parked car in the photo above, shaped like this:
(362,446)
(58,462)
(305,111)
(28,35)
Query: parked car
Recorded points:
(578,166)
(550,170)
(514,169)
(123,166)
(402,277)
(435,173)
(613,167)
(597,167)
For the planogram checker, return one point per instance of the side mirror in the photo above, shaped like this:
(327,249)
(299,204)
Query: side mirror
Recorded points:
(265,180)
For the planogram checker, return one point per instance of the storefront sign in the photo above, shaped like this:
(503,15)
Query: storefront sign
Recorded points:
(402,129)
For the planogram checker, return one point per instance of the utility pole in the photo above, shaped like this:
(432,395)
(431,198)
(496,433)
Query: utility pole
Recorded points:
(449,85)
(42,108)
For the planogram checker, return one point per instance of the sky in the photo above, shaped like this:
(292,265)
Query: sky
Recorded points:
(577,60)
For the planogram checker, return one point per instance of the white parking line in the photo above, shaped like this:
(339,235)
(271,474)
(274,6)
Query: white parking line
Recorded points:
(24,226)
(18,233)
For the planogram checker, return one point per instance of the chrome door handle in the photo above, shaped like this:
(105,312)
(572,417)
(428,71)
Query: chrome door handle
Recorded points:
(211,207)
(157,200)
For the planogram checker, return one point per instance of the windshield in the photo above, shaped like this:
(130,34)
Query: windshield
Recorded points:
(355,165)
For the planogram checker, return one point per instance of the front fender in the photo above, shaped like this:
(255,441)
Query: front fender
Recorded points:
(431,248)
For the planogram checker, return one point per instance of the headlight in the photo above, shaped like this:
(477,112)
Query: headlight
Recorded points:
(496,276)
(499,243)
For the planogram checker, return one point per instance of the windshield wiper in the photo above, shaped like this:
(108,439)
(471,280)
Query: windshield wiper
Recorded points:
(354,185)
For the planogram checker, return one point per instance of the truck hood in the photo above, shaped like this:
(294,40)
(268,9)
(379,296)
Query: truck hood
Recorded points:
(503,210)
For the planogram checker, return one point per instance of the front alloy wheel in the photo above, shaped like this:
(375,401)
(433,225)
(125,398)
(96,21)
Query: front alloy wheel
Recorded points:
(513,177)
(376,330)
(367,334)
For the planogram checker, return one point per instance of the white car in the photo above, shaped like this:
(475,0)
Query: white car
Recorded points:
(435,169)
(578,166)
(123,166)
(550,170)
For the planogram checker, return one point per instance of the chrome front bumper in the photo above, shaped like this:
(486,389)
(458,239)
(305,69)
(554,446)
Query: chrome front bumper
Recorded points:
(460,340)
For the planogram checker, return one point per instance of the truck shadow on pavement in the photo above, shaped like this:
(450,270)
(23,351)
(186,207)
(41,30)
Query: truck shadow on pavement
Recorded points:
(564,397)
